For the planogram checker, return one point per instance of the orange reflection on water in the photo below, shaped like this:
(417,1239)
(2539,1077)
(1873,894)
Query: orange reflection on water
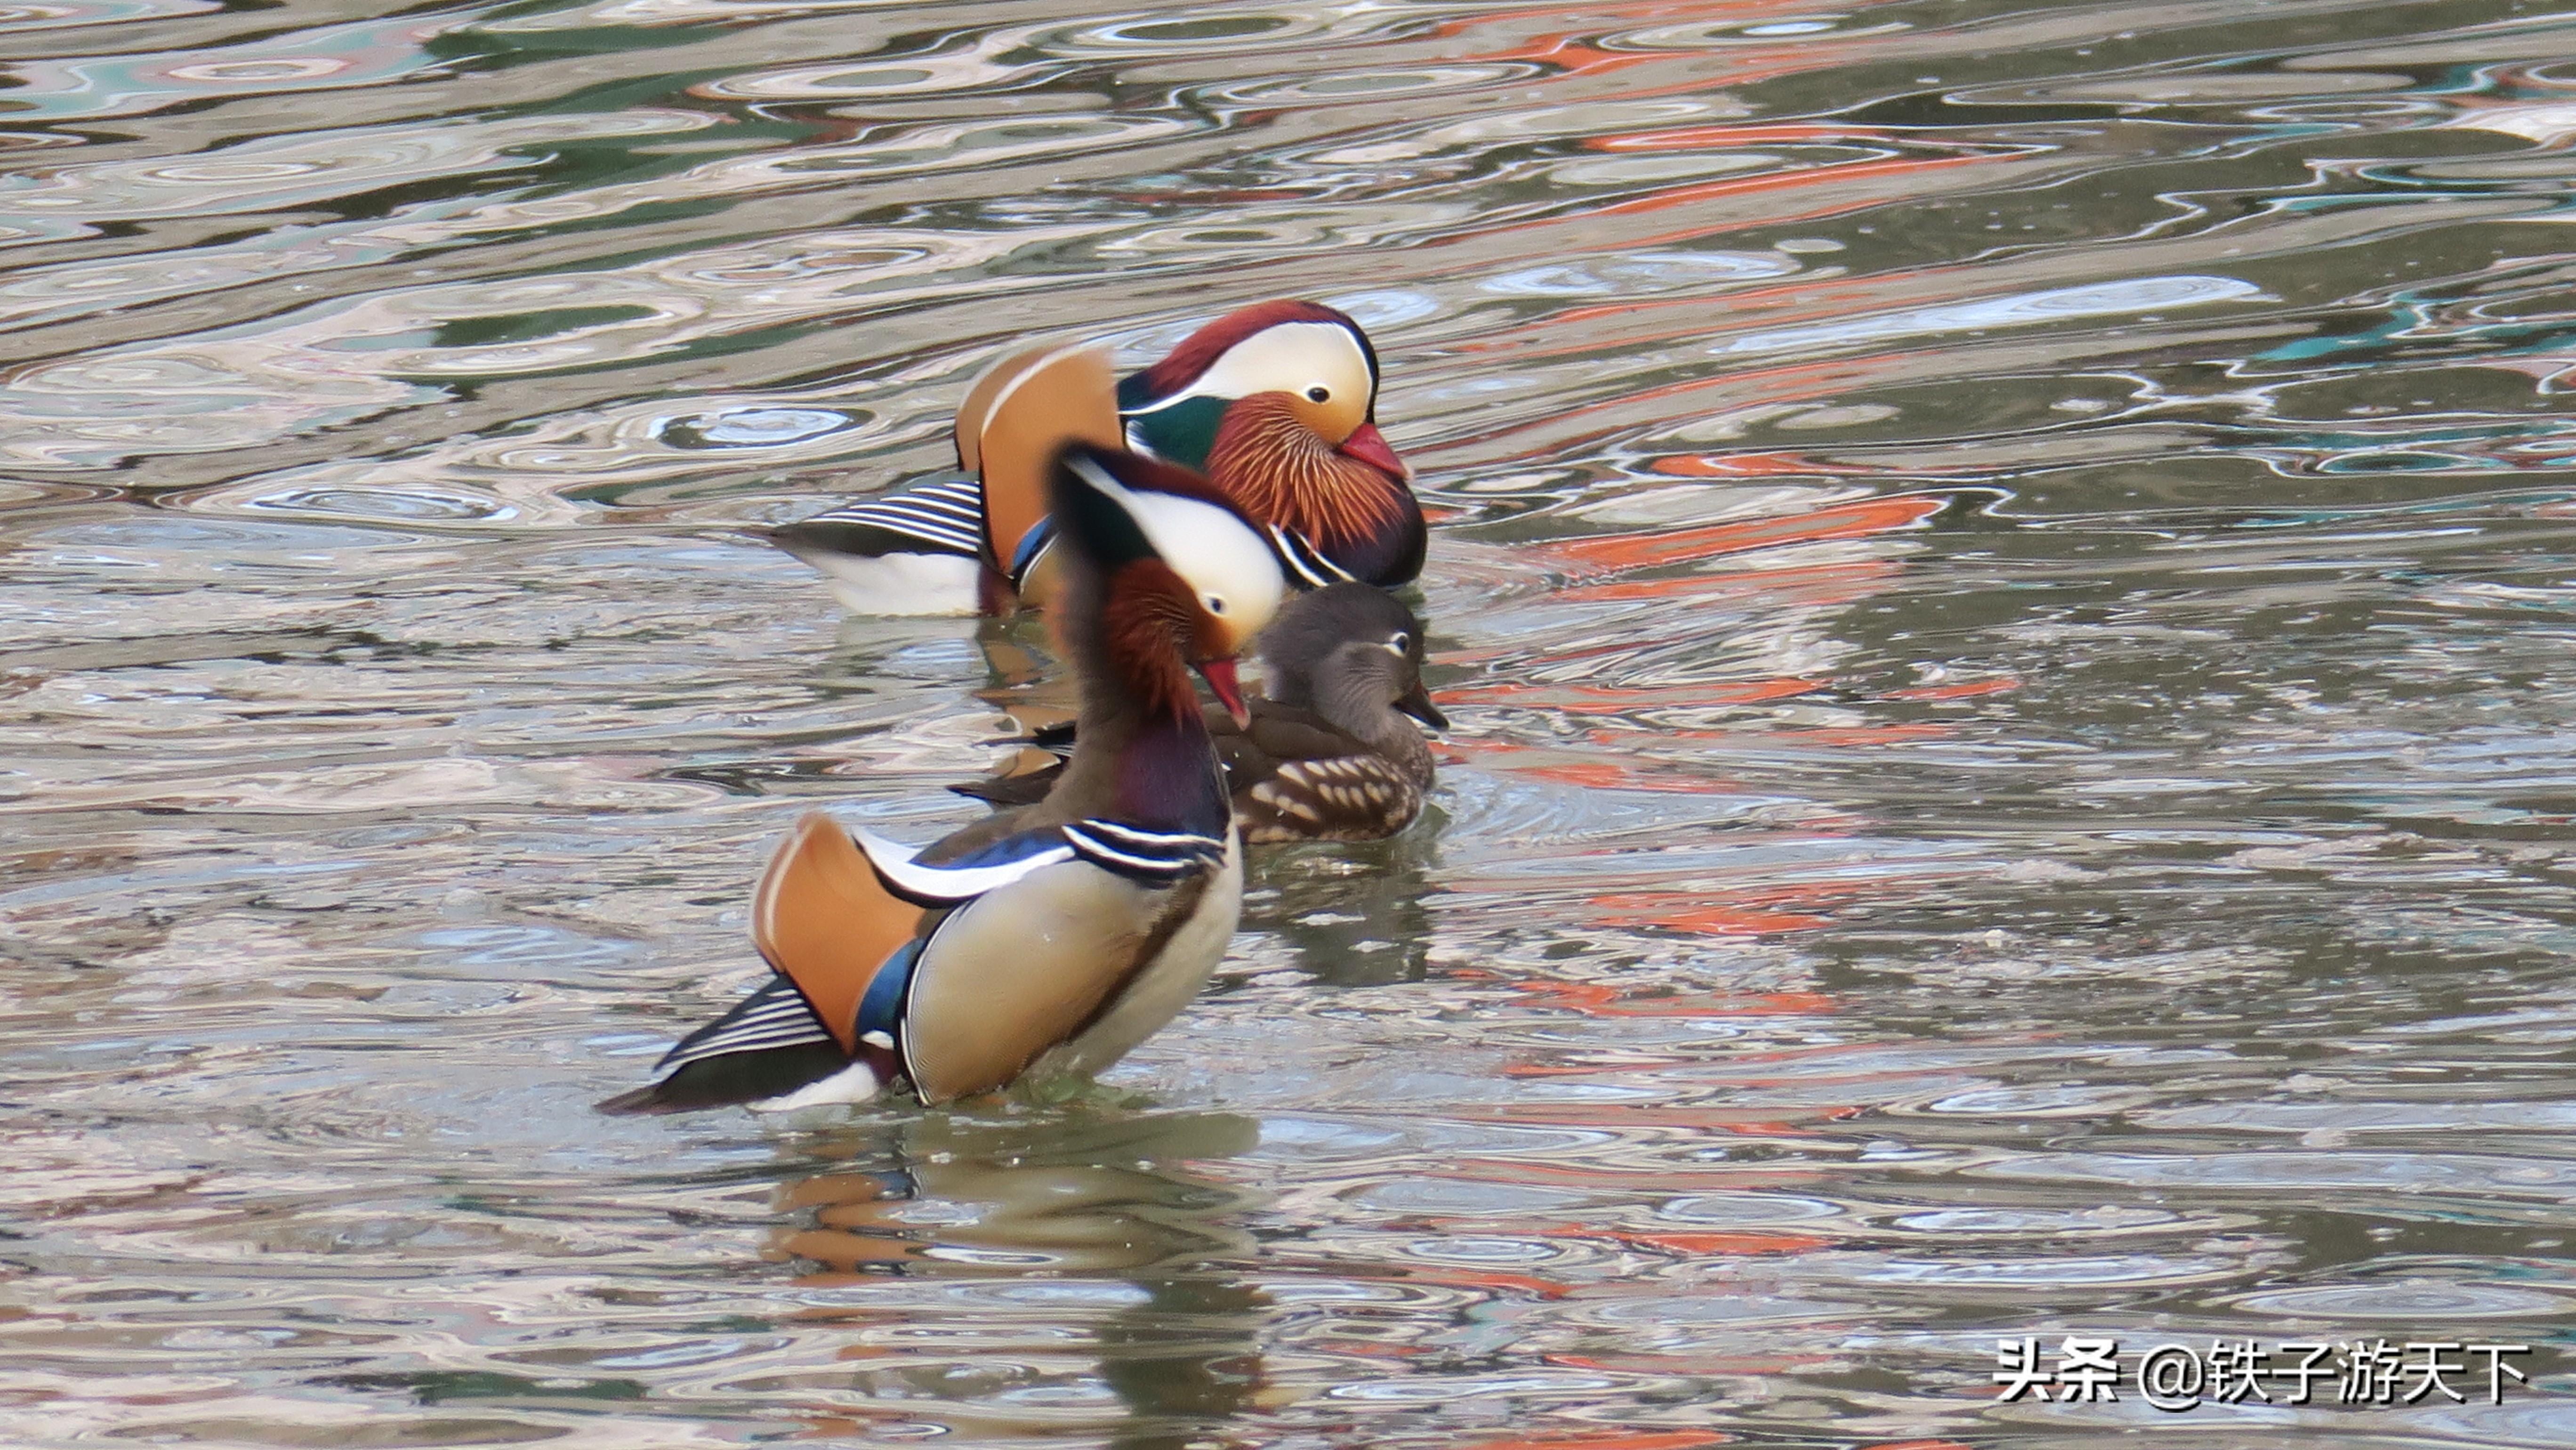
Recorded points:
(1964,690)
(1833,177)
(1551,765)
(1605,999)
(1812,584)
(1718,138)
(1776,463)
(1696,1245)
(1603,553)
(1755,913)
(1604,700)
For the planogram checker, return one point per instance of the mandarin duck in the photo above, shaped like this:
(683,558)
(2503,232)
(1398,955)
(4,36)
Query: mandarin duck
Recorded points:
(1275,405)
(1327,753)
(1042,941)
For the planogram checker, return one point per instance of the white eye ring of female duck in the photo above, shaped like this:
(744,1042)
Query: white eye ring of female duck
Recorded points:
(1399,644)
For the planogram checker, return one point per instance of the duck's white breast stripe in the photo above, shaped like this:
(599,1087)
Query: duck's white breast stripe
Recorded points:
(1139,836)
(1163,857)
(1306,559)
(1110,857)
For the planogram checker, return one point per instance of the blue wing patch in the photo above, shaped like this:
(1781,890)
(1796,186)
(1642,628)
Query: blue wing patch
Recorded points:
(881,1010)
(1032,544)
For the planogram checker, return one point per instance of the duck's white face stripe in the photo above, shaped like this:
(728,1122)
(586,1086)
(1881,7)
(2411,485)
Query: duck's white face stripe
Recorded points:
(1214,552)
(1291,357)
(1223,562)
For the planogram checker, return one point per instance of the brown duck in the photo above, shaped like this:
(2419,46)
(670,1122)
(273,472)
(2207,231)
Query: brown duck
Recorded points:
(1328,753)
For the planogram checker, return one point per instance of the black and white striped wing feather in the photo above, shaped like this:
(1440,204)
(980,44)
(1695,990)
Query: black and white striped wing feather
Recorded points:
(776,1016)
(937,518)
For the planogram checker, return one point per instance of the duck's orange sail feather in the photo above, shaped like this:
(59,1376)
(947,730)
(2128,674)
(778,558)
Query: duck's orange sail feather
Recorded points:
(1016,417)
(825,922)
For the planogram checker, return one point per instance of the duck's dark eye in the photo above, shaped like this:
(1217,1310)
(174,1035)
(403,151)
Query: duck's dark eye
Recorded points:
(1400,642)
(1319,395)
(1216,604)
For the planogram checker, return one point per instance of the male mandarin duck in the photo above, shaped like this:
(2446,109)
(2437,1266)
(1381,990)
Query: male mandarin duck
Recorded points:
(1275,405)
(1049,939)
(1327,753)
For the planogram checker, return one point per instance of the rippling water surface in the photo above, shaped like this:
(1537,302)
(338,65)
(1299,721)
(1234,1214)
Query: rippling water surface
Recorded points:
(2006,577)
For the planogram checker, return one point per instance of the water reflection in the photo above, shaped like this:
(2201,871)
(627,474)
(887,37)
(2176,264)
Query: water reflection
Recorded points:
(1115,1299)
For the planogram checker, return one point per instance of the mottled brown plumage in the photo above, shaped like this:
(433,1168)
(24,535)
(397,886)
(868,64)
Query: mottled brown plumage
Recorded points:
(1328,753)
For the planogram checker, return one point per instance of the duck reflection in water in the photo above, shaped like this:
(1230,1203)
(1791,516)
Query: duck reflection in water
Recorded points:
(1101,1205)
(1351,914)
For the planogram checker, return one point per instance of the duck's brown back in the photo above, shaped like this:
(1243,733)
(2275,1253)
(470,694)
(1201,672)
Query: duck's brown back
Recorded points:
(1297,777)
(1294,776)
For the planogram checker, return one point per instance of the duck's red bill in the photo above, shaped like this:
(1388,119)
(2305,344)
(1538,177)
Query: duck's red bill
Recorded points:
(1229,691)
(1369,446)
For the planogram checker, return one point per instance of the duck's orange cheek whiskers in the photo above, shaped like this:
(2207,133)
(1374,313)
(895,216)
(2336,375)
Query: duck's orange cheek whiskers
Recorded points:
(1229,691)
(1369,446)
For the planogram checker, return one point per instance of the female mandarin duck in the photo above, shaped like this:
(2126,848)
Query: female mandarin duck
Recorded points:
(1275,404)
(1046,940)
(1327,753)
